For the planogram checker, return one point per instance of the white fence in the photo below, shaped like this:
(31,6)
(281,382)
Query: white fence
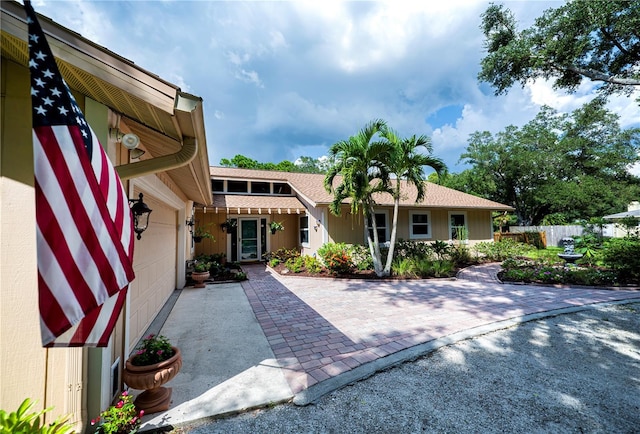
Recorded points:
(553,233)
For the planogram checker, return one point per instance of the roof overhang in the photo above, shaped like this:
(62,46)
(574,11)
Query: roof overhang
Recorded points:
(154,109)
(621,215)
(249,204)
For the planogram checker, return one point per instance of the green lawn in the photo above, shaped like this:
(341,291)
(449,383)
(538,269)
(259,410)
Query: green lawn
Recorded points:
(550,254)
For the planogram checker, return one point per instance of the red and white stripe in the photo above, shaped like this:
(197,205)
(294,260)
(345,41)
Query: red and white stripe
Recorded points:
(84,238)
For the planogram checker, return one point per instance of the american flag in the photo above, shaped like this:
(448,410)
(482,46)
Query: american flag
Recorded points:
(84,224)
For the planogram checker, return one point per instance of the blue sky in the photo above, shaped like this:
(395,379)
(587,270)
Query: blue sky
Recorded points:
(285,79)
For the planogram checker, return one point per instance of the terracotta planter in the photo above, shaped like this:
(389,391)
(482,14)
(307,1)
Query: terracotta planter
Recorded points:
(150,378)
(199,277)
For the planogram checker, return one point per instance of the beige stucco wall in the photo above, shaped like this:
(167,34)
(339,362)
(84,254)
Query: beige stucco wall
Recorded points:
(59,377)
(53,377)
(155,267)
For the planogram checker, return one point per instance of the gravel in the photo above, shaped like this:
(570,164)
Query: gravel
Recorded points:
(574,373)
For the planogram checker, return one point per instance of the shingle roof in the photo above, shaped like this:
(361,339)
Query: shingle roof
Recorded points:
(311,187)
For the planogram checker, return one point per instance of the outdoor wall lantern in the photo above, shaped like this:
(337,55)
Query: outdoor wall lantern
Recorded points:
(140,212)
(190,224)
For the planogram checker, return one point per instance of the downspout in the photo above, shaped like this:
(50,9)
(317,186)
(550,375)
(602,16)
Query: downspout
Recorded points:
(181,158)
(188,118)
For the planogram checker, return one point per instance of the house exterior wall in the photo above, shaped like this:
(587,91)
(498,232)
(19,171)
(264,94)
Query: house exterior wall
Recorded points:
(480,226)
(349,229)
(221,243)
(345,228)
(74,381)
(155,268)
(52,377)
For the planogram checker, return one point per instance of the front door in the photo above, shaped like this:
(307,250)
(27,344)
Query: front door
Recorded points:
(249,240)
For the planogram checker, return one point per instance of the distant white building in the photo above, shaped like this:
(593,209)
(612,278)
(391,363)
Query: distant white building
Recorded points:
(633,210)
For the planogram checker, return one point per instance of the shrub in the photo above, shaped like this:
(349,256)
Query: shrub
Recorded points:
(623,256)
(441,249)
(20,421)
(460,255)
(403,267)
(437,268)
(336,258)
(295,264)
(533,239)
(501,250)
(361,257)
(280,255)
(273,262)
(412,249)
(312,264)
(518,270)
(240,276)
(119,418)
(590,246)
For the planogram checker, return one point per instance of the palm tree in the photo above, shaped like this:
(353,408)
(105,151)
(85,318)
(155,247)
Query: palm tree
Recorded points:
(361,163)
(407,164)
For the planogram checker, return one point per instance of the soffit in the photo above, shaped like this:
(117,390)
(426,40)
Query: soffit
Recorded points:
(146,102)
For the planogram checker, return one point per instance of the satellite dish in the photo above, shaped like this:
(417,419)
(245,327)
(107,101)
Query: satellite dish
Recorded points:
(130,141)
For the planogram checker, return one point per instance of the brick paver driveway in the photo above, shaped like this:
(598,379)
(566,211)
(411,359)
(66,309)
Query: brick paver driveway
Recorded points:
(320,328)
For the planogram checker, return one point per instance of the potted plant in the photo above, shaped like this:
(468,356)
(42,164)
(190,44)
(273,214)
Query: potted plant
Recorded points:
(121,418)
(228,225)
(154,363)
(275,226)
(200,273)
(200,233)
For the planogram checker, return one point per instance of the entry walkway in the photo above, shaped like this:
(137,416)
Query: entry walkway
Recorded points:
(306,337)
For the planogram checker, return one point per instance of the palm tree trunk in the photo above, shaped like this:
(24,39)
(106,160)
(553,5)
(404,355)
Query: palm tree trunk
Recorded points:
(392,241)
(374,245)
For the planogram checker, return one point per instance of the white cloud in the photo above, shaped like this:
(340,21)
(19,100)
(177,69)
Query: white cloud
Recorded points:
(249,77)
(290,78)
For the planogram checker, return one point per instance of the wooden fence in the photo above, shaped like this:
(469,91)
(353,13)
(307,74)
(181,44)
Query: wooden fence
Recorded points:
(537,239)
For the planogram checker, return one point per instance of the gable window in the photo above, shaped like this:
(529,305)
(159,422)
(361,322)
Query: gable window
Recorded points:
(304,230)
(381,226)
(419,224)
(217,185)
(237,186)
(281,188)
(260,187)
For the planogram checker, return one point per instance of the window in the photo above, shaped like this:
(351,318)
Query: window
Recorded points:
(458,227)
(217,185)
(260,187)
(304,230)
(237,186)
(381,226)
(419,225)
(281,188)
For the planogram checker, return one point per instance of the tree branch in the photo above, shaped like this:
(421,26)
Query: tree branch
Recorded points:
(600,76)
(615,42)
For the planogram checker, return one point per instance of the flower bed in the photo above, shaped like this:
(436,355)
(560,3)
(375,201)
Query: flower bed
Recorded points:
(527,271)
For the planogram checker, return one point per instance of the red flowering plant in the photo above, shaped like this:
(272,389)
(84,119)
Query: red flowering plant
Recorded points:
(121,418)
(153,349)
